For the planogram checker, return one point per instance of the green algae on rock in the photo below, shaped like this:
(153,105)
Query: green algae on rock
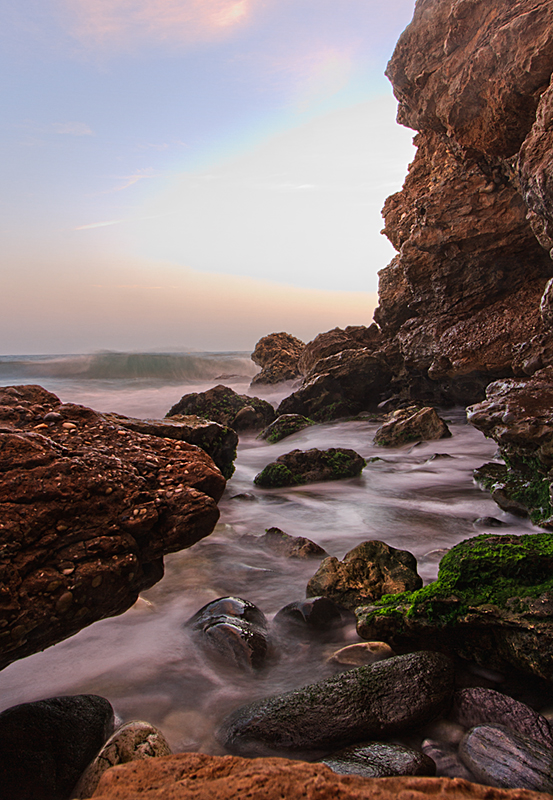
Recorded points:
(310,466)
(492,602)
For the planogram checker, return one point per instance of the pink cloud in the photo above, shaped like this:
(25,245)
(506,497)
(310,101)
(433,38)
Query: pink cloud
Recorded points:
(123,24)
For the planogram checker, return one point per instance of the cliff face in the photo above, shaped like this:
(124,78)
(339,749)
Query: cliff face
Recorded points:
(473,224)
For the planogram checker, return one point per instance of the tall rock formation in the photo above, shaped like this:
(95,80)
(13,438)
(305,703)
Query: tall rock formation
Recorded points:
(473,223)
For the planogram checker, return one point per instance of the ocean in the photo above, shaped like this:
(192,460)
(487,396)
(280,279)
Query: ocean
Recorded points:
(420,498)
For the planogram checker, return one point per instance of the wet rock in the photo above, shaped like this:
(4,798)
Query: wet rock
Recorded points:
(361,653)
(278,355)
(411,425)
(341,385)
(311,466)
(492,603)
(367,572)
(87,514)
(368,702)
(379,760)
(290,546)
(499,757)
(488,522)
(131,742)
(233,632)
(223,405)
(475,706)
(284,426)
(195,776)
(447,761)
(316,616)
(336,341)
(505,486)
(218,441)
(46,745)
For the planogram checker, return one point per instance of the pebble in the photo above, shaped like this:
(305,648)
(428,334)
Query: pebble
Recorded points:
(355,655)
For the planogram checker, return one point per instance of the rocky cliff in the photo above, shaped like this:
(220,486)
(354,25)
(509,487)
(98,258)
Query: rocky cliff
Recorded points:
(473,224)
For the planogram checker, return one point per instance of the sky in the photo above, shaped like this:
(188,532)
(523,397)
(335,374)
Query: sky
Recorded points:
(193,174)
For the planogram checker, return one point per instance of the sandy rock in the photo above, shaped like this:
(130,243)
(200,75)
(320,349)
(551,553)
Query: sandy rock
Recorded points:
(87,515)
(278,355)
(411,425)
(131,742)
(367,572)
(377,701)
(356,655)
(194,776)
(46,745)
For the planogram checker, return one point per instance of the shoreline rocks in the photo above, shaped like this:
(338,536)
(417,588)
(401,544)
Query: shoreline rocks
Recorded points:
(223,405)
(310,466)
(277,354)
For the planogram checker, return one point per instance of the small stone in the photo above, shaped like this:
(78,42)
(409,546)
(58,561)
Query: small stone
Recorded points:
(69,426)
(64,602)
(356,655)
(132,742)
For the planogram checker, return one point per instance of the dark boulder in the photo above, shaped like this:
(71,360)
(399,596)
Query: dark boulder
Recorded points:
(310,466)
(377,701)
(316,616)
(379,760)
(46,745)
(367,572)
(499,757)
(232,631)
(284,426)
(223,405)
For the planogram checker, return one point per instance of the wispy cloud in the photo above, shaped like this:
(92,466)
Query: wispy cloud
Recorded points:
(73,128)
(98,225)
(125,24)
(131,180)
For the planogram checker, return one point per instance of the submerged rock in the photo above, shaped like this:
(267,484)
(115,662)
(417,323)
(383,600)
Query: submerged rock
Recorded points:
(131,742)
(284,426)
(367,572)
(499,757)
(289,546)
(316,616)
(476,706)
(218,441)
(88,510)
(492,603)
(379,760)
(411,424)
(223,405)
(311,466)
(277,354)
(46,745)
(233,632)
(368,702)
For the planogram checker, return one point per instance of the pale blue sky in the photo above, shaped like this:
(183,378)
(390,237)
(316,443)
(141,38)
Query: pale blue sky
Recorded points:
(152,146)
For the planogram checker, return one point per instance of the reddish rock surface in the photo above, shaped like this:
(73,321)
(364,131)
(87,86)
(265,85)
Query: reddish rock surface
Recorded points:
(88,509)
(194,776)
(278,355)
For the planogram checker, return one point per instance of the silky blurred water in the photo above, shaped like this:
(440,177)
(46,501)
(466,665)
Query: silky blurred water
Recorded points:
(420,498)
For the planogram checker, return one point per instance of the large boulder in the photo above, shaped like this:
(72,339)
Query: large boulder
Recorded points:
(367,572)
(376,701)
(340,385)
(311,466)
(218,441)
(336,341)
(88,509)
(195,776)
(492,603)
(46,745)
(223,405)
(277,354)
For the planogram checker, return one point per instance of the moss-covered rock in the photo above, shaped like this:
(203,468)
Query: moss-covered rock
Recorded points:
(492,602)
(223,405)
(284,426)
(310,466)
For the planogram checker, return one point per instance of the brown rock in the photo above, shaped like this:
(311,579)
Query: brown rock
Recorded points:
(224,405)
(367,572)
(335,341)
(289,546)
(195,776)
(278,355)
(87,513)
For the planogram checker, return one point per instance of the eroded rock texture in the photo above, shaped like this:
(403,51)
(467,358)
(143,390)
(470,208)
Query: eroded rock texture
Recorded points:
(88,508)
